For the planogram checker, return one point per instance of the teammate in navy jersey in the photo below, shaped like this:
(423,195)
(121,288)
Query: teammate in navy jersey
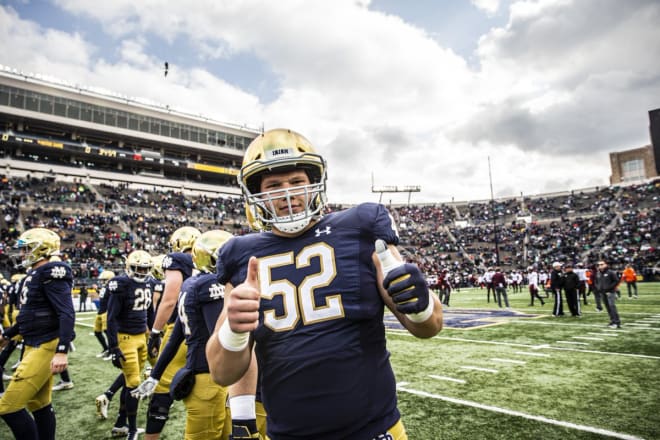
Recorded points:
(129,306)
(177,266)
(310,290)
(199,306)
(101,320)
(46,323)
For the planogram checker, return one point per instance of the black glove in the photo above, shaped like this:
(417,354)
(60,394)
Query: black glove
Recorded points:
(407,287)
(153,343)
(117,356)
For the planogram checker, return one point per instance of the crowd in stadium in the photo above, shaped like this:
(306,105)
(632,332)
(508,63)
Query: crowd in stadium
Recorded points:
(101,225)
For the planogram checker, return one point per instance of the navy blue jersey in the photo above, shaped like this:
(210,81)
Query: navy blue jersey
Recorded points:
(103,299)
(320,342)
(128,306)
(183,263)
(157,286)
(46,305)
(200,304)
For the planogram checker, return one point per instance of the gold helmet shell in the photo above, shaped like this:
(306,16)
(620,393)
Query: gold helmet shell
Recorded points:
(106,275)
(17,277)
(278,151)
(37,244)
(138,265)
(157,271)
(183,239)
(205,250)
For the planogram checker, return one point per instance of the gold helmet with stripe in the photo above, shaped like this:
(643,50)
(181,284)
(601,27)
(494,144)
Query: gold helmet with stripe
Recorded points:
(157,271)
(138,265)
(106,275)
(279,151)
(183,239)
(205,250)
(37,244)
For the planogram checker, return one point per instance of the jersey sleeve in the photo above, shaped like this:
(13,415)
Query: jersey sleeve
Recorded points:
(377,220)
(58,282)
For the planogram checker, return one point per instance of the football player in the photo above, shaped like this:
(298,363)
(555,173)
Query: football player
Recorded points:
(46,323)
(309,293)
(101,320)
(129,305)
(199,306)
(178,266)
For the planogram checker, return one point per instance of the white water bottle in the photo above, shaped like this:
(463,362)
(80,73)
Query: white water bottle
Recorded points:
(387,259)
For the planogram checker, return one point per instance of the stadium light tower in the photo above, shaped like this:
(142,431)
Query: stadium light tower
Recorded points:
(393,189)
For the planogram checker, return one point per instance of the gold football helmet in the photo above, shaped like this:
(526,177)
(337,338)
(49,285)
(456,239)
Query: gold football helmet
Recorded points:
(276,151)
(205,250)
(106,275)
(138,265)
(157,271)
(183,239)
(17,277)
(37,244)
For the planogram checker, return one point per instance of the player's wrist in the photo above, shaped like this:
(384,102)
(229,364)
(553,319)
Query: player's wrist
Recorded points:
(424,314)
(156,332)
(231,340)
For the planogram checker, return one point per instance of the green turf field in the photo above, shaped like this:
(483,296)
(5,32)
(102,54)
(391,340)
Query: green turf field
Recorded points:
(508,377)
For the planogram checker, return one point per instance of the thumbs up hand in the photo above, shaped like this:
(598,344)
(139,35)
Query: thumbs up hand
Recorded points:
(242,303)
(405,284)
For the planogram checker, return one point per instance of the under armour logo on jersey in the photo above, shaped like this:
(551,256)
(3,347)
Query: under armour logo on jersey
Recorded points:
(216,291)
(167,262)
(58,272)
(321,231)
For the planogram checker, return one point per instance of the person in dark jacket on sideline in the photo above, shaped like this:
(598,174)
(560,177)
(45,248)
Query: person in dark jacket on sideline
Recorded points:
(605,284)
(571,289)
(556,284)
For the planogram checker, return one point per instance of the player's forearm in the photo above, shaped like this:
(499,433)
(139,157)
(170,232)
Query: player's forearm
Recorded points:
(226,366)
(165,310)
(427,328)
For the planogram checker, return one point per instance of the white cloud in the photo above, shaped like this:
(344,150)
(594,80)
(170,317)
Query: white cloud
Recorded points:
(488,6)
(556,88)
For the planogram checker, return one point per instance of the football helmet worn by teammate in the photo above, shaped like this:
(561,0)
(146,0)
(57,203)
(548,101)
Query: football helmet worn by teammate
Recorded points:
(183,239)
(275,151)
(204,252)
(106,275)
(37,244)
(157,271)
(138,265)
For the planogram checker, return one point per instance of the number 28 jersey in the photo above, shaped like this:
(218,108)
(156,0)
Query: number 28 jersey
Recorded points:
(129,304)
(320,342)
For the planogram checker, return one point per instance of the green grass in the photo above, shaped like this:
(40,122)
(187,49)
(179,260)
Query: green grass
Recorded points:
(608,388)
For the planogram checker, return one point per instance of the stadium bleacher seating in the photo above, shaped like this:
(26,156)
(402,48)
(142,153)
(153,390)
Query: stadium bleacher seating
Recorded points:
(101,223)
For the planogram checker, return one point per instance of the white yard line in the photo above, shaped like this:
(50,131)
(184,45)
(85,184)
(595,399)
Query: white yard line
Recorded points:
(485,370)
(571,342)
(402,387)
(508,361)
(527,353)
(602,334)
(587,338)
(450,379)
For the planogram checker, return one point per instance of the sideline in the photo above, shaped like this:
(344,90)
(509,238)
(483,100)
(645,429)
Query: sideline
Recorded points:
(402,387)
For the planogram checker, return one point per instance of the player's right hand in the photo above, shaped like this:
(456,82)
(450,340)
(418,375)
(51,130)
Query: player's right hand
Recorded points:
(153,343)
(117,356)
(242,303)
(145,389)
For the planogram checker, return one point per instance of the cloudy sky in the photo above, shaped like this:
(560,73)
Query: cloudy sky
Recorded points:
(417,92)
